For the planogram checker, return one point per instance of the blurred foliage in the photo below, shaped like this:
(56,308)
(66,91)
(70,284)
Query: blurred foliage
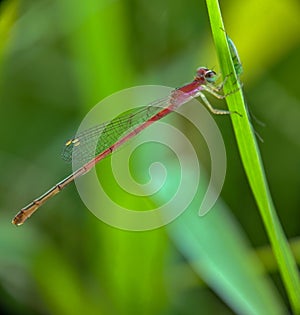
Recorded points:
(58,59)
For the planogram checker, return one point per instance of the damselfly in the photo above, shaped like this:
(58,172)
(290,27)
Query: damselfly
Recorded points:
(112,135)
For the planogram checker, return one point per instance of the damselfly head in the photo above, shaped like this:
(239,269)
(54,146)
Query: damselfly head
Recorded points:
(206,74)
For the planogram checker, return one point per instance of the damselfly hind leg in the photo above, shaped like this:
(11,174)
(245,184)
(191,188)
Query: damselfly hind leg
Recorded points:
(211,108)
(218,95)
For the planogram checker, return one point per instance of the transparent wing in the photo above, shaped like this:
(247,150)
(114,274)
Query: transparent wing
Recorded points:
(89,143)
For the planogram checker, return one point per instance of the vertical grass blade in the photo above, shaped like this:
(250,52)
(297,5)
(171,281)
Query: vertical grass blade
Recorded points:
(252,163)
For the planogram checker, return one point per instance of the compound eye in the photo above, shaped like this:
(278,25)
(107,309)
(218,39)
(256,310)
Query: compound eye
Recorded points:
(210,76)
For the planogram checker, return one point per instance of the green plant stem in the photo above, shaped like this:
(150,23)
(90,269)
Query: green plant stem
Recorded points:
(266,255)
(252,163)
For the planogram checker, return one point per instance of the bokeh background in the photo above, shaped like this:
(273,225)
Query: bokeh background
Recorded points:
(58,58)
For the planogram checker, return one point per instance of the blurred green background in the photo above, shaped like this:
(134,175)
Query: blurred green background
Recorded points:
(58,59)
